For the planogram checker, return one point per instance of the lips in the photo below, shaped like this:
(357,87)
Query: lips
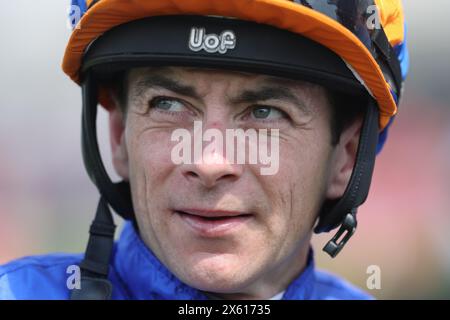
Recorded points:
(212,223)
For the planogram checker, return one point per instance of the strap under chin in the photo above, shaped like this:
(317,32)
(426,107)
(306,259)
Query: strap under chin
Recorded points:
(94,267)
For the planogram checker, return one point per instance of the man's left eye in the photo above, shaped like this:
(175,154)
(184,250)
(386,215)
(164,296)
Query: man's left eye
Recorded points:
(264,113)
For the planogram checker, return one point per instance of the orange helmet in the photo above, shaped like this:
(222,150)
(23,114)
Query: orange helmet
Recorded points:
(369,35)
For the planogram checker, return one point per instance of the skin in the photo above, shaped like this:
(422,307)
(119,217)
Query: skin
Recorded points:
(262,256)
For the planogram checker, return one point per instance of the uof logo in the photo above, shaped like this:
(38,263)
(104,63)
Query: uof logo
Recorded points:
(211,43)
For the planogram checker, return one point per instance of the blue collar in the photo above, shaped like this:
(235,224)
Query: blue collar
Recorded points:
(145,277)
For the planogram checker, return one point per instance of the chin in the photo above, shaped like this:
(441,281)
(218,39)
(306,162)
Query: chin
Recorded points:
(213,272)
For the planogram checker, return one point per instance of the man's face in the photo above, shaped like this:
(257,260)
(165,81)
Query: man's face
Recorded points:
(225,227)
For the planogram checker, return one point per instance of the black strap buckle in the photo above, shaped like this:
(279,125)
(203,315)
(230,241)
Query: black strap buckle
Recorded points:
(348,225)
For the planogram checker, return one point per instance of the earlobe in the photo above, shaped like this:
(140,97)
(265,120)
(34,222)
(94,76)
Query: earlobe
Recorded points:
(343,160)
(118,142)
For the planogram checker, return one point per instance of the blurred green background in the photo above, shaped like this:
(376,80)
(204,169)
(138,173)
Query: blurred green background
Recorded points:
(47,201)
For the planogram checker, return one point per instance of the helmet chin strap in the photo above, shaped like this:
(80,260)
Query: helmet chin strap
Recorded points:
(343,212)
(94,284)
(95,265)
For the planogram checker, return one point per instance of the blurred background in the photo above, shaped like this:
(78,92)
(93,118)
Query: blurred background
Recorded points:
(47,200)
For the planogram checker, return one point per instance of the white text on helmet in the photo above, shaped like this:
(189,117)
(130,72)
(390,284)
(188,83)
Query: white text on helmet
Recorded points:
(211,43)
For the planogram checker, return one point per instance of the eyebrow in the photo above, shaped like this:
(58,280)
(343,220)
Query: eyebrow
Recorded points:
(269,92)
(164,82)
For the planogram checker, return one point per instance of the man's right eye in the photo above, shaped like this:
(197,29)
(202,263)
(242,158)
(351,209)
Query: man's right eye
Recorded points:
(167,104)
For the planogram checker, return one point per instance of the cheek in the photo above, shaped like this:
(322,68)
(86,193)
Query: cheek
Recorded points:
(149,151)
(150,164)
(296,192)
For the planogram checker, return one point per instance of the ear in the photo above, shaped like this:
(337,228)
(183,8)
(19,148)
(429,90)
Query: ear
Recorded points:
(118,143)
(343,160)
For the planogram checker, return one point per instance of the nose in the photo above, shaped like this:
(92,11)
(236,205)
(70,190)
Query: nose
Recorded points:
(211,165)
(211,170)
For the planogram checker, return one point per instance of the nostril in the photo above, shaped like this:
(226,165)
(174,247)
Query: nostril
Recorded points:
(228,176)
(191,174)
(209,175)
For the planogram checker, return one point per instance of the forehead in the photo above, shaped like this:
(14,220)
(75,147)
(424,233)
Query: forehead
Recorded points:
(201,76)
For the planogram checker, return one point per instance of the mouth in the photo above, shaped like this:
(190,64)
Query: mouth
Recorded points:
(212,223)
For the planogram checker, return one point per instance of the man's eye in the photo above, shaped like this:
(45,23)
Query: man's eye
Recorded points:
(267,113)
(167,104)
